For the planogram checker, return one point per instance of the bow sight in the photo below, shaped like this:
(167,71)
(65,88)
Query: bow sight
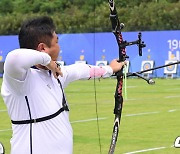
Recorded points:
(139,43)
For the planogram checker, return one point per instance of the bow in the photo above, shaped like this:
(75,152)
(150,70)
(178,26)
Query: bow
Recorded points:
(116,29)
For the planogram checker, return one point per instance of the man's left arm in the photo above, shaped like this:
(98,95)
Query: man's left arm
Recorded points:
(83,71)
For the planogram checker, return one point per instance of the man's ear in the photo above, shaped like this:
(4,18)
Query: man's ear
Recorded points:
(42,47)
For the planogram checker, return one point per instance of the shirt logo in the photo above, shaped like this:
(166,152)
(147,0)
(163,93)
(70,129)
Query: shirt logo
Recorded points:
(48,86)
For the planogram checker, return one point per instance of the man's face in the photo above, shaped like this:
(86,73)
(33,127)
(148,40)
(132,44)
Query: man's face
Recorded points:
(54,48)
(53,51)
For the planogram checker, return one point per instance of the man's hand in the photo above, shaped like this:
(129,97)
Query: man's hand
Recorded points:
(55,68)
(116,66)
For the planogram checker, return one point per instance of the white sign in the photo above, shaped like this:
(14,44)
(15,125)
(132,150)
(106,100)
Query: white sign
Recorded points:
(172,69)
(80,61)
(101,63)
(147,64)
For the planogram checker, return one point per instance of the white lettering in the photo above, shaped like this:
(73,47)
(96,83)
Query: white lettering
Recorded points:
(177,142)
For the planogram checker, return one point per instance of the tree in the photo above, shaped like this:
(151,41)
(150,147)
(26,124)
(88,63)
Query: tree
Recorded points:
(6,6)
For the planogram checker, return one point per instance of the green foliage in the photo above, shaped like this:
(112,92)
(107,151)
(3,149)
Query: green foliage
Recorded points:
(173,1)
(158,17)
(6,7)
(76,16)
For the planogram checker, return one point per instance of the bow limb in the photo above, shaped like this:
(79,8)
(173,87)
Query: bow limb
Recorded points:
(116,29)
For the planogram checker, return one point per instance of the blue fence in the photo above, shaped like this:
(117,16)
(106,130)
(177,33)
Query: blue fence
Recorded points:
(160,46)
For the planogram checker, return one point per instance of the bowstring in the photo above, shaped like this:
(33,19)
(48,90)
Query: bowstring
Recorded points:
(95,90)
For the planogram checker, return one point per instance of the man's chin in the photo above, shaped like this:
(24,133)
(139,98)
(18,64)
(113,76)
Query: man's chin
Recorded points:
(54,59)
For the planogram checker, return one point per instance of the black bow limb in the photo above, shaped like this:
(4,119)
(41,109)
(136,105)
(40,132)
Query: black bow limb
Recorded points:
(116,29)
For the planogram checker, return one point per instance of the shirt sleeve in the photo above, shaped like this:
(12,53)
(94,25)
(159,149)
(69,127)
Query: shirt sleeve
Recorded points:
(19,61)
(83,71)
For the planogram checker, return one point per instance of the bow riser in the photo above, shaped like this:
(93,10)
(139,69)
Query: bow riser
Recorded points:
(116,29)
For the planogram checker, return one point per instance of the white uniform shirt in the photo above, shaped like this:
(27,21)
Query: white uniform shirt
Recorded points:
(44,95)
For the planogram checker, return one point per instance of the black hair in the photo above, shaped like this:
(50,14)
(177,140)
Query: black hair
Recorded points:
(35,31)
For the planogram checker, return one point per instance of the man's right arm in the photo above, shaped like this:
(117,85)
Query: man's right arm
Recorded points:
(19,61)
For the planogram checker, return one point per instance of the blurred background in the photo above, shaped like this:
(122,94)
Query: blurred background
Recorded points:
(85,33)
(150,117)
